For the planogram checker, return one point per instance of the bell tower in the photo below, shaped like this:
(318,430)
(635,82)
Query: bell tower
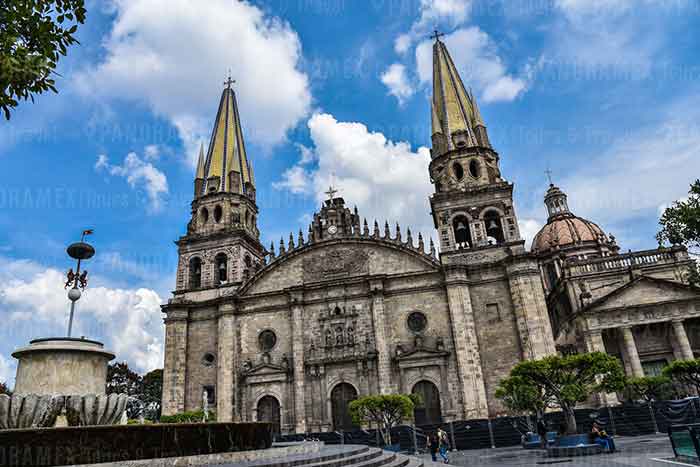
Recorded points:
(222,245)
(472,206)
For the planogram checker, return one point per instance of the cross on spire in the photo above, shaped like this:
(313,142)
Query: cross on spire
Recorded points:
(548,172)
(331,192)
(229,82)
(436,35)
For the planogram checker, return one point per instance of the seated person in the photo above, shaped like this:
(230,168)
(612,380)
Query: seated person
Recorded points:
(601,437)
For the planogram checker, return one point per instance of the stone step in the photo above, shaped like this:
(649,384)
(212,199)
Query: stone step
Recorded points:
(383,460)
(327,454)
(350,460)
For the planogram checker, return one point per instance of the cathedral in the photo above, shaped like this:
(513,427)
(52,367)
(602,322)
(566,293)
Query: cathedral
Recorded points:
(349,308)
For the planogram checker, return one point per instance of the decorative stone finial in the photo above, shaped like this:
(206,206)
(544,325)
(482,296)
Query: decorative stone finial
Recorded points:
(432,247)
(398,232)
(387,234)
(272,249)
(376,229)
(409,238)
(282,249)
(365,228)
(301,238)
(291,241)
(421,243)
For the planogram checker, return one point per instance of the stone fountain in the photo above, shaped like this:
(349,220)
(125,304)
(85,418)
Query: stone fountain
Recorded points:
(63,376)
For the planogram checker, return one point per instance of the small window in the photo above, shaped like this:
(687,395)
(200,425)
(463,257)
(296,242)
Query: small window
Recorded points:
(248,262)
(417,322)
(195,273)
(267,340)
(218,213)
(474,169)
(458,170)
(211,395)
(208,359)
(204,214)
(222,267)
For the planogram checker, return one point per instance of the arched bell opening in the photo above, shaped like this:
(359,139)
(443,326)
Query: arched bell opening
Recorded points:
(195,273)
(222,267)
(494,228)
(463,237)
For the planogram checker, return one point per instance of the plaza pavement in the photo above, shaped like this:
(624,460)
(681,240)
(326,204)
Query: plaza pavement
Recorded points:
(637,451)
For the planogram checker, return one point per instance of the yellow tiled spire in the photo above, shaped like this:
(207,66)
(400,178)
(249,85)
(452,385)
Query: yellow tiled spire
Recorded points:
(454,110)
(200,163)
(227,168)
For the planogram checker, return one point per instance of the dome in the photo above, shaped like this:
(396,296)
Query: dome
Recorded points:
(567,230)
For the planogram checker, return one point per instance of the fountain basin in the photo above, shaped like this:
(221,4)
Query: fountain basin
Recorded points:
(62,366)
(120,443)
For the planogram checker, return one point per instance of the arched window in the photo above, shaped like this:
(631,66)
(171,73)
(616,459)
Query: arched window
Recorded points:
(204,215)
(494,228)
(221,267)
(429,411)
(462,233)
(195,273)
(248,262)
(474,168)
(341,396)
(269,411)
(218,213)
(458,170)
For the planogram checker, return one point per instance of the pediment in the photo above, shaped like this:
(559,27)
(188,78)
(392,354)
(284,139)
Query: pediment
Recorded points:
(265,369)
(644,291)
(422,353)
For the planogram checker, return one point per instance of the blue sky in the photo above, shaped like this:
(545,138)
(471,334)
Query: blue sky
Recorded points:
(603,92)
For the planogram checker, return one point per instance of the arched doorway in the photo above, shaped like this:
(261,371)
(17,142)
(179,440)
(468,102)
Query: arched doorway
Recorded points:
(341,396)
(269,411)
(429,411)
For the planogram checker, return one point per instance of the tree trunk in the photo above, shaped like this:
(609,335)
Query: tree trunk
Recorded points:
(570,418)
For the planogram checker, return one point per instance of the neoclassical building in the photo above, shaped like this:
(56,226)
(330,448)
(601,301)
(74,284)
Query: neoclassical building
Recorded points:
(350,307)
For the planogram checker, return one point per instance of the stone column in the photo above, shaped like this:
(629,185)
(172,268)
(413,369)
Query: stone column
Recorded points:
(380,337)
(682,342)
(296,300)
(594,343)
(467,354)
(175,368)
(631,351)
(227,366)
(530,309)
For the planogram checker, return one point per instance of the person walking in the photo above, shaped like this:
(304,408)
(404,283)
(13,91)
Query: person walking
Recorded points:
(542,432)
(433,446)
(444,445)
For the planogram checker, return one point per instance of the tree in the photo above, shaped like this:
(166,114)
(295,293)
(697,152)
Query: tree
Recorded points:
(5,389)
(680,225)
(122,380)
(649,388)
(386,411)
(34,34)
(567,381)
(684,372)
(152,393)
(523,398)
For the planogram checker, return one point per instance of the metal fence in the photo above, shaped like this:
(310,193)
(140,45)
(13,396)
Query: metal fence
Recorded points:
(622,420)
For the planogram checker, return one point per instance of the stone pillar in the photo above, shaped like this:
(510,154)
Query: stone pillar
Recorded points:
(296,300)
(175,367)
(380,337)
(594,343)
(685,351)
(227,366)
(469,370)
(530,308)
(631,351)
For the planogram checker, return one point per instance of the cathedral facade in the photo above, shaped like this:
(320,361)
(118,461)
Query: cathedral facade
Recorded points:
(349,308)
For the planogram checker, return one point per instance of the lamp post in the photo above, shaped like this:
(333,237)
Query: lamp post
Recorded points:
(76,281)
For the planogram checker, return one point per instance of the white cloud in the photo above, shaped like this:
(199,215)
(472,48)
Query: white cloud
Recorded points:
(7,371)
(528,229)
(172,55)
(129,320)
(385,179)
(152,152)
(396,80)
(433,13)
(139,175)
(478,63)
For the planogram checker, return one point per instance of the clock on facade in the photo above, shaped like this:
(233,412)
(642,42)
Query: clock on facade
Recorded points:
(332,230)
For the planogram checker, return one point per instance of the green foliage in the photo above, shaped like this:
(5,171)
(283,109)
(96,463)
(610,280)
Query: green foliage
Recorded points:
(680,225)
(684,372)
(196,416)
(5,389)
(649,388)
(521,397)
(34,34)
(152,393)
(565,381)
(385,411)
(147,389)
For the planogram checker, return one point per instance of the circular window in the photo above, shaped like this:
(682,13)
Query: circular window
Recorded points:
(458,171)
(267,340)
(218,213)
(417,322)
(208,359)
